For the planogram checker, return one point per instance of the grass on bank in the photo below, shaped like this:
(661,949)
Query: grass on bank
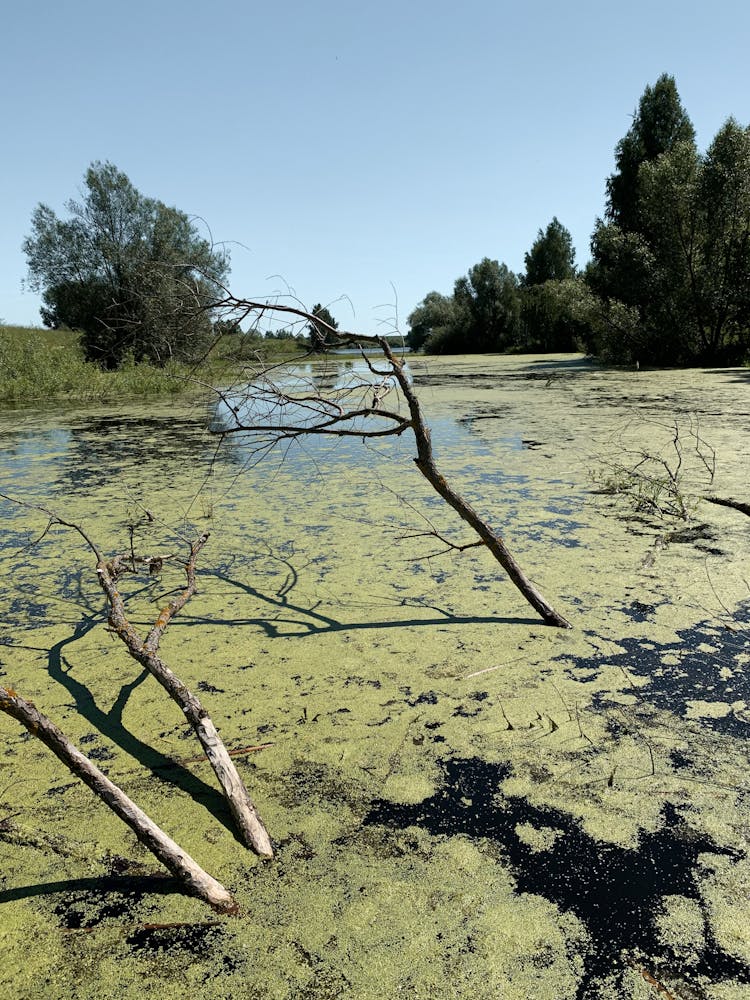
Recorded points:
(36,363)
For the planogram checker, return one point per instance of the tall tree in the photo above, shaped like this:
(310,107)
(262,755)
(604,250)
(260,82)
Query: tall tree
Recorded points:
(724,210)
(320,329)
(639,268)
(131,273)
(551,257)
(659,123)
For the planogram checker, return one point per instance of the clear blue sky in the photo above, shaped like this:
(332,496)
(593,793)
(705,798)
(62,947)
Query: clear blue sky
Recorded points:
(349,147)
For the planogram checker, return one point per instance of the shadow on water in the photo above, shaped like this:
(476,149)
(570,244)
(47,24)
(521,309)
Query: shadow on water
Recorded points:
(130,888)
(614,891)
(110,725)
(294,620)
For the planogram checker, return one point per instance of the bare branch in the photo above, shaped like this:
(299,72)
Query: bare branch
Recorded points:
(173,857)
(269,412)
(146,653)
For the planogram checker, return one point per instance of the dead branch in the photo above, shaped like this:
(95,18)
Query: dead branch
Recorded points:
(195,880)
(269,411)
(653,479)
(145,652)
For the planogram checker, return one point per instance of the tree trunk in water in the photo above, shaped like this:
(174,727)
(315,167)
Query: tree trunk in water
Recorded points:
(425,462)
(196,881)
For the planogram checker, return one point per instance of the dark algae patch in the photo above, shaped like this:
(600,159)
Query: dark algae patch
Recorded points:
(615,892)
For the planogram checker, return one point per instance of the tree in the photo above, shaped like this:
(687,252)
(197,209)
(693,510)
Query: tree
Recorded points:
(658,125)
(724,219)
(552,257)
(551,317)
(686,270)
(131,273)
(675,249)
(320,328)
(487,307)
(433,319)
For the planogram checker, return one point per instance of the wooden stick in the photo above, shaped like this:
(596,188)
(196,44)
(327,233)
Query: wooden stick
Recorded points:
(241,805)
(145,652)
(195,880)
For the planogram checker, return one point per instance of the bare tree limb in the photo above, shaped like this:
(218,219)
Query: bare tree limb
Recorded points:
(195,880)
(145,652)
(266,413)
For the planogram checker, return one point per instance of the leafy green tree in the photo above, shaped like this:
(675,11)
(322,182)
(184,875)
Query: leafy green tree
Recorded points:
(687,271)
(643,254)
(724,220)
(552,256)
(432,320)
(552,318)
(488,308)
(320,333)
(131,273)
(658,125)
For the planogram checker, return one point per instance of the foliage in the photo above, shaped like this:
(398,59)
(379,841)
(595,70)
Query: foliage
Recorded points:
(556,316)
(38,364)
(484,314)
(432,320)
(673,256)
(488,299)
(659,124)
(552,256)
(320,329)
(129,272)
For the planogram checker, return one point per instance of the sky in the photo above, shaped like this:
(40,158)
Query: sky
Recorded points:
(355,154)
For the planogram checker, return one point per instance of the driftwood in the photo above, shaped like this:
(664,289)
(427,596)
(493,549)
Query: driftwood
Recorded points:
(243,810)
(146,653)
(196,881)
(268,413)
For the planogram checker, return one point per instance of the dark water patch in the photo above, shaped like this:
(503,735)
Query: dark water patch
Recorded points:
(615,892)
(707,663)
(87,902)
(191,939)
(638,611)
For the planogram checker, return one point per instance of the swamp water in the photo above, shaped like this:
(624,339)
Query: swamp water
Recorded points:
(464,803)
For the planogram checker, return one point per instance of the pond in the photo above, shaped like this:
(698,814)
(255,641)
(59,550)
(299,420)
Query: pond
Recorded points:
(464,803)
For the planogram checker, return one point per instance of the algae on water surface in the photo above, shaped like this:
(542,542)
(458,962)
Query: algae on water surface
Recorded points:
(464,802)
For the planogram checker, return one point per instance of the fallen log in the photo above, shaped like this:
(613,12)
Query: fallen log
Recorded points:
(193,878)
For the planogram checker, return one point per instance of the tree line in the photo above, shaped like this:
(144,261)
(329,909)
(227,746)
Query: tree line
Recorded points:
(668,282)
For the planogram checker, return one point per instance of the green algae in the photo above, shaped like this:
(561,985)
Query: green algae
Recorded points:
(321,632)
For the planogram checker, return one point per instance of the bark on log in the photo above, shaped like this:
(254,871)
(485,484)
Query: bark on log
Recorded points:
(196,881)
(243,810)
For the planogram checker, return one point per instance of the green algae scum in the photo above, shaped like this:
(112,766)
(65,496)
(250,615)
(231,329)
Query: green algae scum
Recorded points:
(464,803)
